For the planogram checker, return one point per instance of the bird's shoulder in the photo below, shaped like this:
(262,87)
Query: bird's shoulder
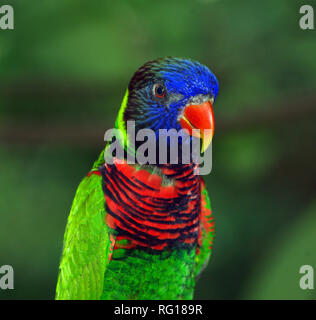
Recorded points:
(87,243)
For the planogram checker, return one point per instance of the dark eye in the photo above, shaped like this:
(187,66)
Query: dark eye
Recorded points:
(159,90)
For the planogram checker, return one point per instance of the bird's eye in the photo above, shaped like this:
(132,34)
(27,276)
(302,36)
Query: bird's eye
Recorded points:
(159,90)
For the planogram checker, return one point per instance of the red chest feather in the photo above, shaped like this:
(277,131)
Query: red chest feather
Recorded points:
(148,214)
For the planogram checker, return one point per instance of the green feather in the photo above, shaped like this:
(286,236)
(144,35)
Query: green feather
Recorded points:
(203,257)
(86,244)
(145,275)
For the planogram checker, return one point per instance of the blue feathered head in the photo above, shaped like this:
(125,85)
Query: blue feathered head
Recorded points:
(171,93)
(160,90)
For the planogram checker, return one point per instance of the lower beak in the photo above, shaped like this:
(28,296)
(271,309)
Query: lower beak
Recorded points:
(199,121)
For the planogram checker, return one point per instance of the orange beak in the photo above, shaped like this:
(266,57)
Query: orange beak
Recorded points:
(199,121)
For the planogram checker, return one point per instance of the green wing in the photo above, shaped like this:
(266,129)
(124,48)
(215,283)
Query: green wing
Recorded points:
(86,244)
(207,232)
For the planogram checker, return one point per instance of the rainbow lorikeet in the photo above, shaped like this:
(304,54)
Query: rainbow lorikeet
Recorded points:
(145,231)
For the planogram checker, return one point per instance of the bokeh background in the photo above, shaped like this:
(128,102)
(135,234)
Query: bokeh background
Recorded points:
(63,73)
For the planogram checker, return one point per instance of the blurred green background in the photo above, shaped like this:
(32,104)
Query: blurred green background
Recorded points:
(63,73)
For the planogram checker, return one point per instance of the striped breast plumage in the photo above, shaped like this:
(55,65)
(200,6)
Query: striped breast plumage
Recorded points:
(151,210)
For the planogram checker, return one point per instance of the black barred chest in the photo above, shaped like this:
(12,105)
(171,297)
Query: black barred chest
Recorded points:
(148,214)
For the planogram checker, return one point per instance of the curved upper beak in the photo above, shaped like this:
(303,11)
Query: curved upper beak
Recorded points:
(199,121)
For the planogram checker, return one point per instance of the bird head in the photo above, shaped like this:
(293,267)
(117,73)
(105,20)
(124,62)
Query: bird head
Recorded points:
(172,93)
